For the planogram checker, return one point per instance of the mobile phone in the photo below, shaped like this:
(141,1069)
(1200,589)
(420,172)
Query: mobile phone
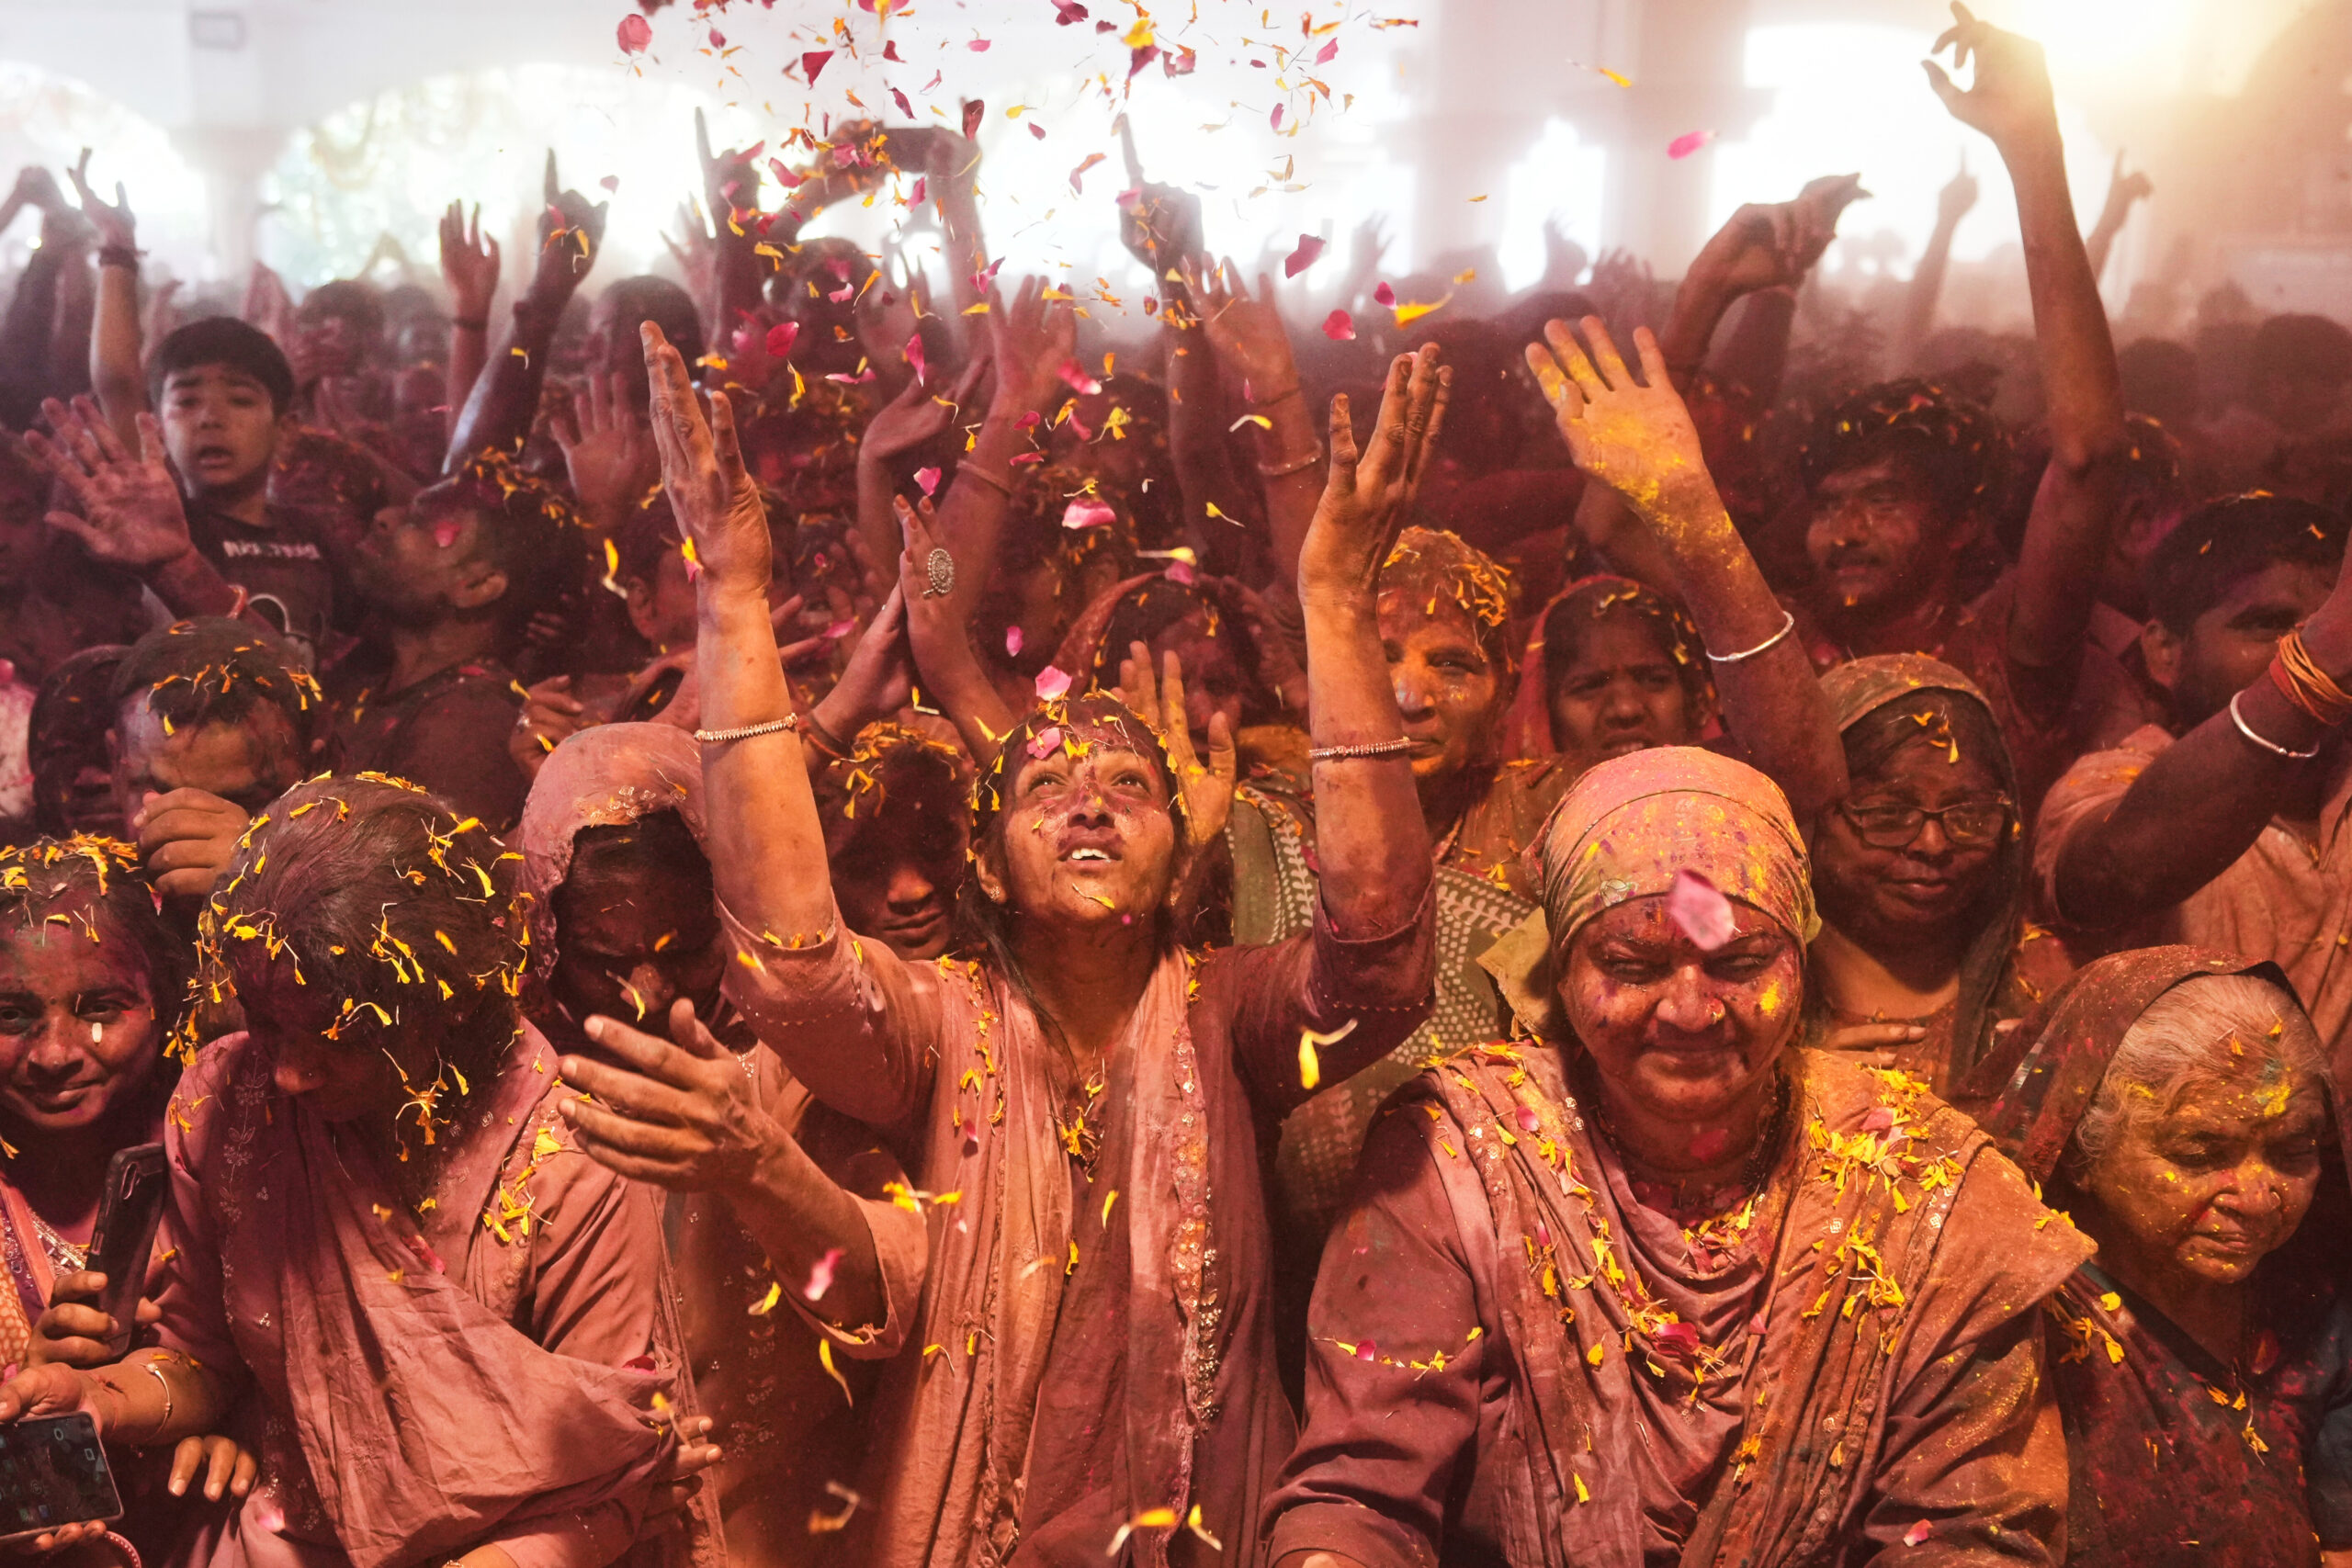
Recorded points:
(124,1238)
(53,1472)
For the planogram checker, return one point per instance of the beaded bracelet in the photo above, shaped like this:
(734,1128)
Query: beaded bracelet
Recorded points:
(1396,748)
(714,737)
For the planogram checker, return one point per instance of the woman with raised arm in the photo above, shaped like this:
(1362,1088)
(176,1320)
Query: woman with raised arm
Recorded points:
(1084,1103)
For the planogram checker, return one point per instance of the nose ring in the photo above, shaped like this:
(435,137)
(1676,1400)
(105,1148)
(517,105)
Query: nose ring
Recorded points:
(1716,1011)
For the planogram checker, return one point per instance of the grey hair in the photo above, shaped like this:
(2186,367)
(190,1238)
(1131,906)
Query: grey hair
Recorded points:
(2209,1027)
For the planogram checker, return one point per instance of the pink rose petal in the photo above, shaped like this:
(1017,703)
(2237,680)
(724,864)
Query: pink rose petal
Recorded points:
(1689,142)
(445,534)
(636,34)
(1042,744)
(929,479)
(1676,1340)
(1086,512)
(1324,56)
(1068,11)
(1080,382)
(915,355)
(1367,1351)
(1698,911)
(1275,119)
(1179,571)
(1309,247)
(820,1274)
(1879,1120)
(611,182)
(1528,1120)
(780,338)
(1012,642)
(1340,327)
(1918,1533)
(784,177)
(915,197)
(812,61)
(905,107)
(1052,684)
(840,629)
(979,46)
(847,379)
(1029,419)
(1383,294)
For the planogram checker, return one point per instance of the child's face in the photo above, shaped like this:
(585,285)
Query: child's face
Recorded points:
(219,429)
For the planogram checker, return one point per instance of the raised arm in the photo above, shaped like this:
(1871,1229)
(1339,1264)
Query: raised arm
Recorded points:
(1030,343)
(2203,802)
(1764,248)
(1927,287)
(2123,192)
(2067,536)
(506,397)
(469,263)
(116,372)
(1252,348)
(1370,841)
(1638,440)
(731,193)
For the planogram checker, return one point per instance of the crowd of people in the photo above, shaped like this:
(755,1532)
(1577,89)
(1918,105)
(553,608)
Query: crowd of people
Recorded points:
(828,918)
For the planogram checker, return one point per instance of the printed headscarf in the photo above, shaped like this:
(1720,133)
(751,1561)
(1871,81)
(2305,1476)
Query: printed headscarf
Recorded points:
(1623,831)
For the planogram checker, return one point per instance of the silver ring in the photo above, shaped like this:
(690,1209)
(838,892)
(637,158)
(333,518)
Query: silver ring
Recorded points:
(940,567)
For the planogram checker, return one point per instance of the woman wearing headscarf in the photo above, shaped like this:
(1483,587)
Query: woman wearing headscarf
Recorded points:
(2176,1103)
(1612,666)
(778,1220)
(1920,871)
(1653,1287)
(1086,1103)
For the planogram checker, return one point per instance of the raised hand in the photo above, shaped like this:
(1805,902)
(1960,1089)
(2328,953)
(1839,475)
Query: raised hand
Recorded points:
(607,449)
(2122,191)
(1774,244)
(551,715)
(1635,438)
(571,228)
(469,262)
(691,248)
(1246,334)
(1160,226)
(918,415)
(718,506)
(131,512)
(730,180)
(681,1112)
(115,224)
(1208,791)
(1030,343)
(185,836)
(2010,97)
(1365,496)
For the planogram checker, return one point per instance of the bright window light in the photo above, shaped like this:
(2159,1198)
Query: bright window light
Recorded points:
(47,120)
(1562,179)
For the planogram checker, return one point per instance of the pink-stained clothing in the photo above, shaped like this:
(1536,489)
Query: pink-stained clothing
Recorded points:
(1094,1340)
(1515,1361)
(2288,898)
(501,1368)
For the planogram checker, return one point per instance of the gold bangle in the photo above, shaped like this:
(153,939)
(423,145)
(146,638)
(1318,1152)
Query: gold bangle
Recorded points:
(155,1371)
(1002,487)
(716,737)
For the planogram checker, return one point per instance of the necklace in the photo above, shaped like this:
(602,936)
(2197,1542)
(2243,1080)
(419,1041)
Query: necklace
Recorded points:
(1722,1215)
(63,1255)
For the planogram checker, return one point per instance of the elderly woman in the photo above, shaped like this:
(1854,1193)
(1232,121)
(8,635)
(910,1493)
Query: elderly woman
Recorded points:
(1086,1103)
(1921,874)
(768,1187)
(2176,1103)
(454,1328)
(1653,1287)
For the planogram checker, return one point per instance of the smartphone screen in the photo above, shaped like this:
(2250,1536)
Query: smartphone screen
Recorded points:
(52,1472)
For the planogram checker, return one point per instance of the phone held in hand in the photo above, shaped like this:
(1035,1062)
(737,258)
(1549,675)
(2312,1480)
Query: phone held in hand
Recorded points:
(53,1473)
(124,1238)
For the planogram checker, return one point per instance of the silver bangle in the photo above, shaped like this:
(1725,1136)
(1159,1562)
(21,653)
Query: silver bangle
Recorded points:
(2270,746)
(713,737)
(1296,466)
(1788,625)
(1396,748)
(155,1371)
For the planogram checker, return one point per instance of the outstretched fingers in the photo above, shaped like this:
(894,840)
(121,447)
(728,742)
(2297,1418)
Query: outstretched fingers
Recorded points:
(1566,401)
(1339,479)
(1605,357)
(1574,362)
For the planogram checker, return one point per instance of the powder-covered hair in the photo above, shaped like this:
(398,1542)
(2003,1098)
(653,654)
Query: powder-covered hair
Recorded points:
(1428,565)
(400,914)
(2208,1029)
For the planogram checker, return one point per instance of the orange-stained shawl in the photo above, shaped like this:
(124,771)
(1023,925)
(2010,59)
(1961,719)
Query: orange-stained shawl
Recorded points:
(2175,1458)
(1090,1349)
(484,1372)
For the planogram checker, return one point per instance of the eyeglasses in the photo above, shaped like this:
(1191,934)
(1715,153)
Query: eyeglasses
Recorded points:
(1970,823)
